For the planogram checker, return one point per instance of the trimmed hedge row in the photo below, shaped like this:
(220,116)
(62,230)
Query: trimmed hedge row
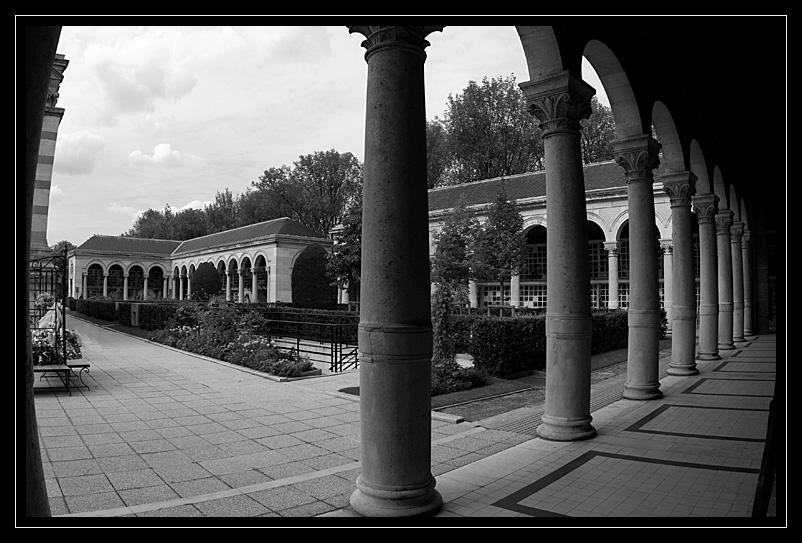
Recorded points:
(504,345)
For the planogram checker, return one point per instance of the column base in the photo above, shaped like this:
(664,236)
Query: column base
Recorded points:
(563,430)
(739,339)
(708,356)
(642,392)
(396,502)
(682,369)
(726,346)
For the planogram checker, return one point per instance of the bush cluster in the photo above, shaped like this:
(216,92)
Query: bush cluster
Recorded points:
(218,330)
(98,308)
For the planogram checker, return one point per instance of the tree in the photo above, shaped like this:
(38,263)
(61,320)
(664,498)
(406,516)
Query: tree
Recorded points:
(499,247)
(598,131)
(453,257)
(188,223)
(311,287)
(206,281)
(316,190)
(490,133)
(344,265)
(221,215)
(437,155)
(152,224)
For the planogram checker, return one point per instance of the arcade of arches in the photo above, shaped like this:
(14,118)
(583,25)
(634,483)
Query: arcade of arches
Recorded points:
(675,86)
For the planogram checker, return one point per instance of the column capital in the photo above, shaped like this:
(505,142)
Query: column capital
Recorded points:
(667,245)
(638,156)
(559,102)
(706,207)
(409,37)
(745,238)
(724,221)
(611,247)
(680,187)
(736,231)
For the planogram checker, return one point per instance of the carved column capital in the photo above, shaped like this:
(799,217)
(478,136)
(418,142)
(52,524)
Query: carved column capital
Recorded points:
(680,187)
(410,37)
(667,245)
(724,221)
(745,238)
(706,207)
(736,231)
(559,102)
(611,247)
(638,156)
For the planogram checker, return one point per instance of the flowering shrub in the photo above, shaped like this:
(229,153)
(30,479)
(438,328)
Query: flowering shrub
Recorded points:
(218,330)
(448,376)
(47,348)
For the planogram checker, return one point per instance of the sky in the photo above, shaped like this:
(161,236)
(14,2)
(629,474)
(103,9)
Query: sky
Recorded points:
(159,115)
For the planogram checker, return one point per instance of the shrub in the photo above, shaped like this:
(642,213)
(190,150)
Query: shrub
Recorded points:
(206,282)
(156,316)
(507,345)
(311,285)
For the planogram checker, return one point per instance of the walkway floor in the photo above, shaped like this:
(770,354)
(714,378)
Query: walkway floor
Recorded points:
(163,433)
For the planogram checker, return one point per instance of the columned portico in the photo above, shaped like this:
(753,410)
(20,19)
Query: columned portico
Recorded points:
(612,271)
(560,102)
(680,187)
(638,157)
(736,232)
(747,267)
(706,207)
(668,280)
(723,227)
(395,327)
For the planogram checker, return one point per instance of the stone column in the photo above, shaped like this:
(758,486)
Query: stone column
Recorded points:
(125,286)
(747,271)
(473,293)
(254,285)
(105,284)
(346,298)
(181,286)
(723,226)
(680,187)
(638,157)
(164,288)
(145,288)
(240,286)
(736,231)
(668,280)
(612,274)
(706,207)
(83,286)
(560,102)
(228,285)
(395,327)
(515,290)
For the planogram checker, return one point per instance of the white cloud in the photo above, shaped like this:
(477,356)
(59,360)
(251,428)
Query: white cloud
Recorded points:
(114,207)
(195,204)
(55,191)
(163,155)
(77,152)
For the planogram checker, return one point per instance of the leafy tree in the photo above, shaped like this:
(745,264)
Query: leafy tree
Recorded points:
(597,132)
(490,133)
(152,224)
(437,155)
(188,223)
(499,247)
(311,287)
(316,190)
(254,206)
(453,257)
(221,215)
(344,265)
(206,281)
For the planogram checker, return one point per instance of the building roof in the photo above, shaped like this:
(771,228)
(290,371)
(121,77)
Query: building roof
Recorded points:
(166,248)
(130,246)
(601,175)
(283,227)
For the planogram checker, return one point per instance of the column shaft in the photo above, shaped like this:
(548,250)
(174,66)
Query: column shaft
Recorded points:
(668,281)
(638,157)
(747,270)
(560,102)
(736,231)
(723,225)
(706,208)
(395,327)
(515,290)
(612,274)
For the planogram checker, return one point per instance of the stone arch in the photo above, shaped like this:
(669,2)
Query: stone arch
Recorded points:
(733,199)
(624,106)
(720,190)
(699,168)
(94,279)
(136,281)
(666,131)
(115,281)
(600,222)
(541,50)
(532,221)
(156,275)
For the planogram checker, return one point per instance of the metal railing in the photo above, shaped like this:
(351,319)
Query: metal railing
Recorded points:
(338,339)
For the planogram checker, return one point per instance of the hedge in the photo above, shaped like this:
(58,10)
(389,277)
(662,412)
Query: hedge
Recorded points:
(99,309)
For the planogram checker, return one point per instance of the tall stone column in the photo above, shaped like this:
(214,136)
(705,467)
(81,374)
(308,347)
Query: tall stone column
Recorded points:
(680,187)
(254,285)
(164,288)
(515,290)
(240,286)
(228,285)
(706,207)
(612,274)
(473,293)
(181,286)
(560,102)
(395,327)
(83,286)
(736,232)
(145,288)
(638,157)
(105,284)
(723,226)
(747,270)
(125,286)
(668,280)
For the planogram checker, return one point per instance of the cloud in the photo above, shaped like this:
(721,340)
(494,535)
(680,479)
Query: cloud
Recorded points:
(55,191)
(116,208)
(163,155)
(195,204)
(77,153)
